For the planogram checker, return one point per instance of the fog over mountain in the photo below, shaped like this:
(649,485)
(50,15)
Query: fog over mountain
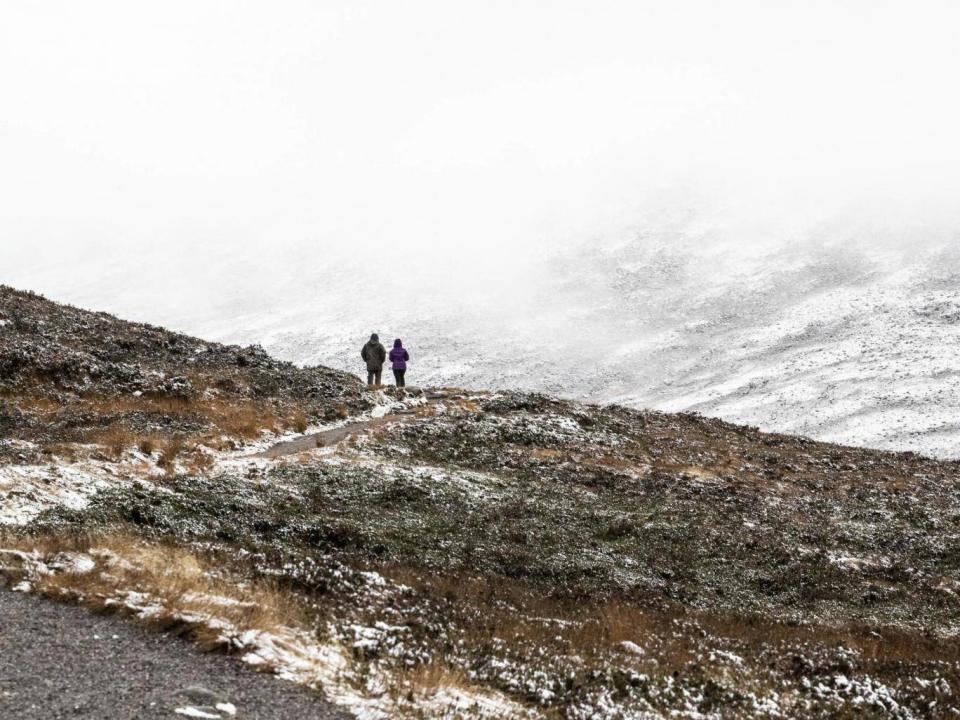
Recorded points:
(746,210)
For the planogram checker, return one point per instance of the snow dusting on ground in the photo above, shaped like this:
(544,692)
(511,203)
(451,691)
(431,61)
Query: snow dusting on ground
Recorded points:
(28,490)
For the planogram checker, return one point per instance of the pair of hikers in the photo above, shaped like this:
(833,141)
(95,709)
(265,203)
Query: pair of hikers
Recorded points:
(374,355)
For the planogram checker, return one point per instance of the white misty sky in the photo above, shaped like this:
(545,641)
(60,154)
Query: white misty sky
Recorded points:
(468,132)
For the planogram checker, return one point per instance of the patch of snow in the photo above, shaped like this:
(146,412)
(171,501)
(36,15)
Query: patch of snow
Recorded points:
(17,444)
(297,657)
(726,655)
(216,600)
(74,562)
(632,647)
(190,711)
(855,563)
(374,578)
(455,702)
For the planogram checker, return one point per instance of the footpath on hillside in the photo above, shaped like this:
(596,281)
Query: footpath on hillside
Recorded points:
(327,438)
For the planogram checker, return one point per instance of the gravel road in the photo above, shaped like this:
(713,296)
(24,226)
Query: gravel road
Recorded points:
(60,661)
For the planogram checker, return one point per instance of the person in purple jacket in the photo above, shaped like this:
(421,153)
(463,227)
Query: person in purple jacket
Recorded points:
(398,360)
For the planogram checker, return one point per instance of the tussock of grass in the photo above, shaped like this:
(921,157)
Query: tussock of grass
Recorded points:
(116,440)
(169,452)
(427,680)
(298,421)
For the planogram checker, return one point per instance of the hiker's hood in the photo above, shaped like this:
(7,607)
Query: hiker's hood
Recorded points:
(397,343)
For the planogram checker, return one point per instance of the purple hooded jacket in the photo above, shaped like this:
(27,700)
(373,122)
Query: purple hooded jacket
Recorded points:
(399,356)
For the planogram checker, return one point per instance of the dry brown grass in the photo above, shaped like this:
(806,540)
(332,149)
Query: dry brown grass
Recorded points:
(511,610)
(180,453)
(175,451)
(199,462)
(185,589)
(116,440)
(148,445)
(170,451)
(619,622)
(218,442)
(469,406)
(35,404)
(229,423)
(245,419)
(429,679)
(425,681)
(298,420)
(546,454)
(109,406)
(234,424)
(67,451)
(672,636)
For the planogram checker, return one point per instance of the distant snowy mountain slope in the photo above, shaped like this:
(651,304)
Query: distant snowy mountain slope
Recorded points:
(844,344)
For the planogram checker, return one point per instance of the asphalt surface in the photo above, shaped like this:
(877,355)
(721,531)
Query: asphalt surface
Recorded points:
(60,661)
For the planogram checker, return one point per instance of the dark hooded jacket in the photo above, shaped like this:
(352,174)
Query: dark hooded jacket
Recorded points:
(374,354)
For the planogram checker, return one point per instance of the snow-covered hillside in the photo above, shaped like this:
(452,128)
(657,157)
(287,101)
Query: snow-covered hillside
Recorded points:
(842,334)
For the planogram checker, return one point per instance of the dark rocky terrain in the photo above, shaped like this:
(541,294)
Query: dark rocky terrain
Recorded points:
(70,375)
(573,560)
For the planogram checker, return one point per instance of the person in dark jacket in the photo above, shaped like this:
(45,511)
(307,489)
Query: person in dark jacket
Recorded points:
(374,355)
(398,360)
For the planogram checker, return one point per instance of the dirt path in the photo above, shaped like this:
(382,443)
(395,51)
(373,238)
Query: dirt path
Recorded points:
(333,436)
(60,661)
(316,440)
